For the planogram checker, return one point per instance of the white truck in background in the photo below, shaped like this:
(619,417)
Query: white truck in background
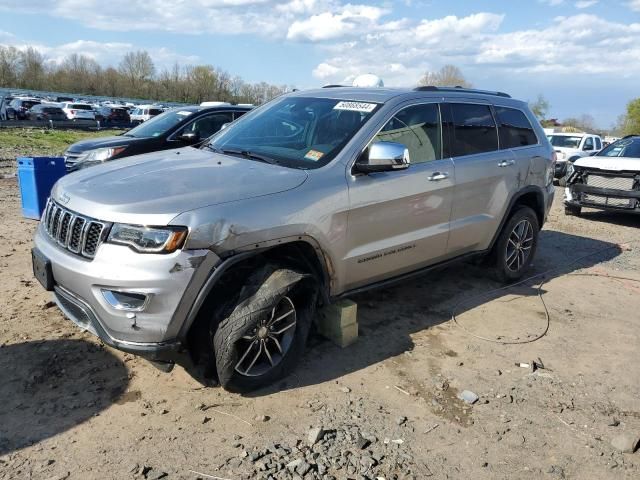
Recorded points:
(571,146)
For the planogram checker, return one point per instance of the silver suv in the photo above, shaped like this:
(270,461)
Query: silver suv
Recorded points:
(220,255)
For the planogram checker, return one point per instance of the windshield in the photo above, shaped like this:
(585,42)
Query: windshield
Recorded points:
(565,141)
(626,147)
(296,132)
(158,125)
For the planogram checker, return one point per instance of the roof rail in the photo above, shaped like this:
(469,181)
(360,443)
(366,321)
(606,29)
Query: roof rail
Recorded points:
(333,86)
(433,88)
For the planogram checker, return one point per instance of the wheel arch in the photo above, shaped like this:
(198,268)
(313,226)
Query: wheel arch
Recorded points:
(531,197)
(298,252)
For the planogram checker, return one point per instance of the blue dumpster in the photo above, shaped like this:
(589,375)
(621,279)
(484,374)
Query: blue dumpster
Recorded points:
(36,176)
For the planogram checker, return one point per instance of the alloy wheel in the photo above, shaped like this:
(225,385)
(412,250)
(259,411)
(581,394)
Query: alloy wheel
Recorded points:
(269,341)
(519,245)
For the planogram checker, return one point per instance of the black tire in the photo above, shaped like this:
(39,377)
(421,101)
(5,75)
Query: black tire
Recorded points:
(572,210)
(259,298)
(507,268)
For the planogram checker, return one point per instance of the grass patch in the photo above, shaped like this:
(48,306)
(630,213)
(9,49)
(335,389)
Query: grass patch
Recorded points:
(36,141)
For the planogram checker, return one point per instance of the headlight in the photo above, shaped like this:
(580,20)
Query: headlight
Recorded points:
(148,239)
(99,155)
(561,155)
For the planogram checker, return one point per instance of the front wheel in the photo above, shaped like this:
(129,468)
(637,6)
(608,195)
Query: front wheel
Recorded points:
(516,245)
(263,337)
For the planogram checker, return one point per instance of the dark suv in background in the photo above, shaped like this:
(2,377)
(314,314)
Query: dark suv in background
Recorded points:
(19,108)
(179,127)
(46,112)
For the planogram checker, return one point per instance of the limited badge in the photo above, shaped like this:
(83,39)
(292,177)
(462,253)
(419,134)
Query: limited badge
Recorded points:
(355,106)
(314,155)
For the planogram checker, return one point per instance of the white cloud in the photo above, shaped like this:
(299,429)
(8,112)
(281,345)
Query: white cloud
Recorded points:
(568,46)
(581,4)
(353,19)
(105,53)
(553,3)
(634,5)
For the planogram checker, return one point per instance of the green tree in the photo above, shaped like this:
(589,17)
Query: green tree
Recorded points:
(632,121)
(540,107)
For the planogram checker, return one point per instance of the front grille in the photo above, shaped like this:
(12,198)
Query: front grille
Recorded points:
(76,233)
(615,183)
(608,201)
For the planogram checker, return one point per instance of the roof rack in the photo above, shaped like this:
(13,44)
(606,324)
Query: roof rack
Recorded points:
(433,88)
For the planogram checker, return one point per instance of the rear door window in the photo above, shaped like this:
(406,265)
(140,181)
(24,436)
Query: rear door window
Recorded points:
(417,128)
(208,125)
(598,143)
(515,128)
(588,143)
(474,129)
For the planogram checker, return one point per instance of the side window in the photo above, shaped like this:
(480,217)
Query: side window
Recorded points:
(515,128)
(474,130)
(237,115)
(209,124)
(598,143)
(588,144)
(418,128)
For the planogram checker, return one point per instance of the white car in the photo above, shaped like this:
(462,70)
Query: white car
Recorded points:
(142,113)
(571,146)
(609,180)
(78,111)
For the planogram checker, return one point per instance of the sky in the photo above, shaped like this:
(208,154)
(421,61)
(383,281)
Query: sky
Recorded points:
(582,55)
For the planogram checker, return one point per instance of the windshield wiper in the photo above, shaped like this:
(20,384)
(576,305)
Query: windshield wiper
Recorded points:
(243,154)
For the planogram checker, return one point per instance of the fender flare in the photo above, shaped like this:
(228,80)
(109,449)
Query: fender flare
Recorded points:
(512,203)
(217,270)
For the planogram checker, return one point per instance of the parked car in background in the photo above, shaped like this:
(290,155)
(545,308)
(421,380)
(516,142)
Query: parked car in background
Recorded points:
(608,180)
(4,104)
(46,111)
(78,111)
(175,128)
(19,107)
(142,113)
(113,114)
(571,146)
(224,252)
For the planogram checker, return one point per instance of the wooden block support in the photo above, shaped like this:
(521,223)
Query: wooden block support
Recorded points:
(339,322)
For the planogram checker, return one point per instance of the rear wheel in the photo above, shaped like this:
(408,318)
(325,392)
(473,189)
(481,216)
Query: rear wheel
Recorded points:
(516,245)
(263,337)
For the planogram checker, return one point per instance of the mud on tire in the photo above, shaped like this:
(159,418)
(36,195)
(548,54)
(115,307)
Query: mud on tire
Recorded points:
(267,294)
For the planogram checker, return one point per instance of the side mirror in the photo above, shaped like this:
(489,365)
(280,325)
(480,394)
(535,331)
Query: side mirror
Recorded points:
(189,137)
(383,157)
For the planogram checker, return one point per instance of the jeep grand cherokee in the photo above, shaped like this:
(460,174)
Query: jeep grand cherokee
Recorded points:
(224,252)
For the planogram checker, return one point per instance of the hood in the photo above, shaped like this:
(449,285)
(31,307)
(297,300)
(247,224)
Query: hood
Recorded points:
(93,143)
(154,188)
(614,164)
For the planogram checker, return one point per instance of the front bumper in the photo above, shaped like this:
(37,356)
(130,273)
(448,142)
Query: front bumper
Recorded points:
(581,195)
(164,278)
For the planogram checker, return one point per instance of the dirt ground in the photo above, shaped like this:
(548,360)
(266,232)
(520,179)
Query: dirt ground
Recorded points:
(72,408)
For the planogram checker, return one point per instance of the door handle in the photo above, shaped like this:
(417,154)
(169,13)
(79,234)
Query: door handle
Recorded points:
(506,163)
(437,176)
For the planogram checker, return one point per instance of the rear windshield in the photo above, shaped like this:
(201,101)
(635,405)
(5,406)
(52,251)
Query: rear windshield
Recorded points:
(566,141)
(159,124)
(625,147)
(79,106)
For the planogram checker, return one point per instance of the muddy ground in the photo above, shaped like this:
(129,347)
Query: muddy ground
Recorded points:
(72,408)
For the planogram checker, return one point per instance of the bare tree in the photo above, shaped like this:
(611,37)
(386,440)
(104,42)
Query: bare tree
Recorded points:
(31,68)
(447,76)
(9,65)
(138,69)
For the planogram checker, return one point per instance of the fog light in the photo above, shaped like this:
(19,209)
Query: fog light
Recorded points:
(128,301)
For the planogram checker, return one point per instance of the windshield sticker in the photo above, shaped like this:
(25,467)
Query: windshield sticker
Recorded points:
(355,106)
(314,155)
(184,112)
